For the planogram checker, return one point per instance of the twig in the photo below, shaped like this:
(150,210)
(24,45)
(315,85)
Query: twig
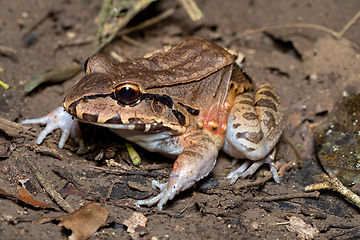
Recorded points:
(335,34)
(283,197)
(339,35)
(192,9)
(268,177)
(112,18)
(49,189)
(13,129)
(148,22)
(8,51)
(334,184)
(45,151)
(122,172)
(74,42)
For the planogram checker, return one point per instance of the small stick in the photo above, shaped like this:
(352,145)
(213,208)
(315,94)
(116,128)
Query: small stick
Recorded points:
(74,42)
(148,22)
(268,177)
(283,197)
(8,51)
(192,9)
(122,172)
(334,184)
(45,151)
(339,35)
(335,34)
(13,128)
(49,189)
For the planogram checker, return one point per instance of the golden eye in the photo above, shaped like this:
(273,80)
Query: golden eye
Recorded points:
(127,93)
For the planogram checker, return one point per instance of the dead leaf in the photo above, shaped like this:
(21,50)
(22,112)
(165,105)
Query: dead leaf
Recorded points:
(84,222)
(136,219)
(304,231)
(26,198)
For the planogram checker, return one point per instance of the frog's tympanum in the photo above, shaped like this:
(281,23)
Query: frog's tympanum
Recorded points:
(187,103)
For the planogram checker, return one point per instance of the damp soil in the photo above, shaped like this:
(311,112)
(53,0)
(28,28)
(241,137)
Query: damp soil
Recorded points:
(309,68)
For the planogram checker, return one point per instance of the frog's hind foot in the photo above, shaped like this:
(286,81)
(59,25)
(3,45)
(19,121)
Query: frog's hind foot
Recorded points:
(248,168)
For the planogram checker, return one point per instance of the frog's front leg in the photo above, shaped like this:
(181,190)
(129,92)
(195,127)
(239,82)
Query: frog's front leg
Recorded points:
(194,163)
(255,125)
(58,119)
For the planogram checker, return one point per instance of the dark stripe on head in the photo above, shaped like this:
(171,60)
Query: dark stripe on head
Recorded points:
(139,127)
(266,103)
(72,108)
(192,111)
(90,118)
(135,121)
(158,128)
(164,99)
(180,117)
(114,120)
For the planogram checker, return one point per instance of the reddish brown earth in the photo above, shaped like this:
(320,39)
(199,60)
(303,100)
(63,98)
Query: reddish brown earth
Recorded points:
(308,67)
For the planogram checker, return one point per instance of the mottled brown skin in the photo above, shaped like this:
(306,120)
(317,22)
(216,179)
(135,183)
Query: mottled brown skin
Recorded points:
(190,74)
(178,103)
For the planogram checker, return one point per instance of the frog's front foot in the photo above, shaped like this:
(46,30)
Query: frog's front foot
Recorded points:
(248,168)
(194,163)
(58,119)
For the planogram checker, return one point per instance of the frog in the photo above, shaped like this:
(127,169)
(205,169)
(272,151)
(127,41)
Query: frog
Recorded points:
(188,103)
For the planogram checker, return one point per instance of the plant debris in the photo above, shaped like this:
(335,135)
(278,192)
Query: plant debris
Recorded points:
(55,75)
(26,198)
(83,222)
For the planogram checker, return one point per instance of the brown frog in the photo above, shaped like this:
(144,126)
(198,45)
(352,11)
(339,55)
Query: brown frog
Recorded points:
(187,103)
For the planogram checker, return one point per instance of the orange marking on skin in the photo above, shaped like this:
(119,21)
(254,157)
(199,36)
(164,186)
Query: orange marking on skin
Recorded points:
(215,116)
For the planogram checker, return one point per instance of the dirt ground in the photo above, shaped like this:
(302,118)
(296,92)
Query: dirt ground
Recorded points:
(309,68)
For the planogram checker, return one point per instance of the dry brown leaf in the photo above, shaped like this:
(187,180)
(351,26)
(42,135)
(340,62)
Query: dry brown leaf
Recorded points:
(304,231)
(85,221)
(136,219)
(26,198)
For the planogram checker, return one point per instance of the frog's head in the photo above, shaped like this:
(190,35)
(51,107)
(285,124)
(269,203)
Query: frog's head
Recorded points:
(108,97)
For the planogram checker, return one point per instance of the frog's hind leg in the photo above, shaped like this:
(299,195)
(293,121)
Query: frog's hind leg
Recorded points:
(255,125)
(248,168)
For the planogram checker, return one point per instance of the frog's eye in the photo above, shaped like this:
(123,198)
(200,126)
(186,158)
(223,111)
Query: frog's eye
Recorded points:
(127,93)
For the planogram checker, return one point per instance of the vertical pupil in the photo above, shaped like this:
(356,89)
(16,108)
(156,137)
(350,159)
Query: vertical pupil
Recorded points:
(127,93)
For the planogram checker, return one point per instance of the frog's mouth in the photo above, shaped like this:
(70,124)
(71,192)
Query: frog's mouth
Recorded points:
(114,120)
(143,127)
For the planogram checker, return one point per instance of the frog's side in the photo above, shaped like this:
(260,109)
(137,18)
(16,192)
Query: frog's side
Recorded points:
(187,103)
